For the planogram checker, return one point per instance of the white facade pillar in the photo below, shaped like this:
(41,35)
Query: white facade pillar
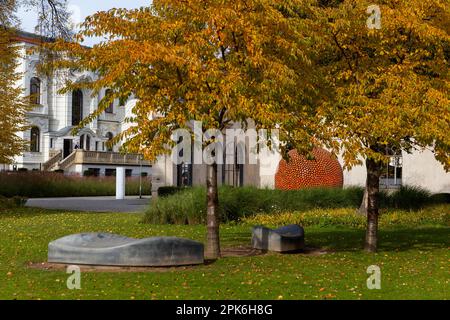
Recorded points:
(120,183)
(163,174)
(94,106)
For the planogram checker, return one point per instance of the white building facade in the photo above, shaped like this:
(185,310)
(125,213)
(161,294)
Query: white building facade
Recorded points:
(52,144)
(419,169)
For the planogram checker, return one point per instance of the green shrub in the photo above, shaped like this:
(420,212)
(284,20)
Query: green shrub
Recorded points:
(49,184)
(14,202)
(409,198)
(440,198)
(436,215)
(168,191)
(184,207)
(189,205)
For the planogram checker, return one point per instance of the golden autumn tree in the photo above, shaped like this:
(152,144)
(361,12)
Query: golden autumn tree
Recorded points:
(12,105)
(217,62)
(388,69)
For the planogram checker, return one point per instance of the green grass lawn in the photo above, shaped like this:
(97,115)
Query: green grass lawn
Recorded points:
(414,262)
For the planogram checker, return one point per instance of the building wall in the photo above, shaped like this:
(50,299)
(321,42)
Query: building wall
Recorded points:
(356,176)
(251,175)
(53,116)
(163,173)
(419,169)
(422,169)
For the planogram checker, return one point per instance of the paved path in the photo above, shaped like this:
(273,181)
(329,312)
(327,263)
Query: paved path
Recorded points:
(92,204)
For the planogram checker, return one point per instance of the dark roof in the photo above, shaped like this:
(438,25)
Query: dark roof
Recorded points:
(32,38)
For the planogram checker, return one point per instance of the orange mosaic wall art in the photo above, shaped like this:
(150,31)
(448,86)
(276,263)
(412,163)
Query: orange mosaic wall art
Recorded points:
(300,173)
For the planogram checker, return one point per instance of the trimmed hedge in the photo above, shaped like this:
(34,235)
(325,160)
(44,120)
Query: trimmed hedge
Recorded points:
(48,184)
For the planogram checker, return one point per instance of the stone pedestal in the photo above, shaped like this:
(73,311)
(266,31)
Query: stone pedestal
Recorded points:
(284,239)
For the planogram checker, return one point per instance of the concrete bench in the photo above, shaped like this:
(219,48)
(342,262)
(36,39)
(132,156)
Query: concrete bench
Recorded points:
(107,249)
(284,239)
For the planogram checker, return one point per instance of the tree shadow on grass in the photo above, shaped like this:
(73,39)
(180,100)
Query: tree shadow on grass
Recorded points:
(345,239)
(427,238)
(230,239)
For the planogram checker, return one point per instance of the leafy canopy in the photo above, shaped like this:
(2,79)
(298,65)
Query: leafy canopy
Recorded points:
(212,61)
(391,85)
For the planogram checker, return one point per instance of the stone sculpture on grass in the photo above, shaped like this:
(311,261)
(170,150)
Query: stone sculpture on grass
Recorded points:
(105,249)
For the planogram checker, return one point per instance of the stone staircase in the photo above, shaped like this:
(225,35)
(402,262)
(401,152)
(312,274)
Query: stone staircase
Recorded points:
(67,162)
(53,162)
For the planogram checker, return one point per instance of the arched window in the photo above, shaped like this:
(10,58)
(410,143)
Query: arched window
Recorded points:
(35,139)
(35,90)
(77,107)
(85,142)
(110,108)
(81,142)
(109,136)
(88,142)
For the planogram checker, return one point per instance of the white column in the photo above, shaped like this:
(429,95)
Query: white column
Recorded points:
(94,105)
(120,183)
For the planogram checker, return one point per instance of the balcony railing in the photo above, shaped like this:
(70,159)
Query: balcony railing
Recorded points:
(105,158)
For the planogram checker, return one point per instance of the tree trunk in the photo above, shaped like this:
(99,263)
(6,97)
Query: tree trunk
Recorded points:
(212,211)
(364,204)
(373,187)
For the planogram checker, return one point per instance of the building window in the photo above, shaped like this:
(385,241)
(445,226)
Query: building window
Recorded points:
(233,173)
(109,136)
(77,107)
(88,143)
(85,142)
(82,142)
(391,176)
(93,172)
(35,139)
(110,172)
(35,91)
(128,173)
(185,170)
(184,175)
(110,108)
